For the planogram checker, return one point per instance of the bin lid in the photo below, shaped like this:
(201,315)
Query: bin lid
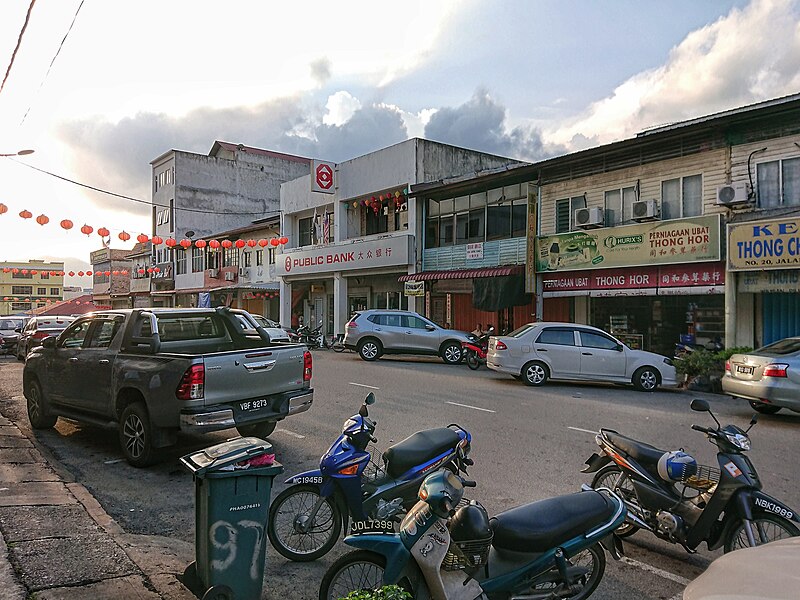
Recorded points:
(232,451)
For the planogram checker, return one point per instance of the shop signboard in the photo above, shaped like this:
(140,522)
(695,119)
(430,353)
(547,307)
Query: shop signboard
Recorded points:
(755,245)
(757,282)
(659,242)
(530,259)
(391,251)
(475,251)
(414,288)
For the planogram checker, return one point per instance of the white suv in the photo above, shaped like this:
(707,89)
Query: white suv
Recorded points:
(377,332)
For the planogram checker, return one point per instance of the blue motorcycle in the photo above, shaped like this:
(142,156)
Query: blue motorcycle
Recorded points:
(306,519)
(544,550)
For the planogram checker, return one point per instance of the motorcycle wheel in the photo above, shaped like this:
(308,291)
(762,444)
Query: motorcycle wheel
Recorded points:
(473,362)
(288,511)
(361,570)
(592,561)
(612,477)
(766,528)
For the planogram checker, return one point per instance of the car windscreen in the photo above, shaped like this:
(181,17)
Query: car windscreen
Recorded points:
(189,327)
(781,348)
(10,325)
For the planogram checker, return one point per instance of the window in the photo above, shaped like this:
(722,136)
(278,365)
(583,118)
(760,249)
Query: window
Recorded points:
(305,228)
(21,275)
(560,337)
(390,320)
(432,232)
(446,231)
(197,259)
(189,328)
(54,292)
(259,258)
(246,257)
(271,252)
(212,259)
(619,206)
(682,197)
(414,322)
(104,332)
(595,340)
(377,223)
(180,263)
(44,275)
(565,208)
(519,217)
(470,226)
(171,215)
(75,334)
(778,183)
(22,290)
(41,291)
(498,221)
(231,257)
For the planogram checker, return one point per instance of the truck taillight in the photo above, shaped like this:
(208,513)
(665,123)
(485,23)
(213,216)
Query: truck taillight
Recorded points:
(307,366)
(193,382)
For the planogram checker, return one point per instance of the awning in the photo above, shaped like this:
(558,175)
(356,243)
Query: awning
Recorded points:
(270,286)
(463,274)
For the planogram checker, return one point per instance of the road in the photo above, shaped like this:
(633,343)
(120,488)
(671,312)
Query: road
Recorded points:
(528,444)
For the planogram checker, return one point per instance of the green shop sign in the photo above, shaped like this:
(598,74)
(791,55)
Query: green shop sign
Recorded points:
(655,243)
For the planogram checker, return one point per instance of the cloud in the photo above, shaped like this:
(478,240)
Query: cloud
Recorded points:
(321,70)
(749,55)
(340,106)
(480,124)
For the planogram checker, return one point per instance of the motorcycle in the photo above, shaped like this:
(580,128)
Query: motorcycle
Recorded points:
(306,519)
(670,495)
(313,338)
(547,549)
(475,350)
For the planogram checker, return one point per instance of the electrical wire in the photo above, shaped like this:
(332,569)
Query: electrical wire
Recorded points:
(139,200)
(19,41)
(61,45)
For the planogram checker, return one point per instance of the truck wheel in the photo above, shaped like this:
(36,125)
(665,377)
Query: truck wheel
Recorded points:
(259,430)
(136,435)
(38,413)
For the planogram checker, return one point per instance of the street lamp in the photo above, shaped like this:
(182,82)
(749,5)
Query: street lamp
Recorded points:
(19,153)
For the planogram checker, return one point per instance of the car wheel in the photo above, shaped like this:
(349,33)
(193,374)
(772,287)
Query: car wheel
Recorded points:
(646,379)
(38,413)
(452,353)
(370,349)
(764,409)
(259,430)
(136,435)
(535,373)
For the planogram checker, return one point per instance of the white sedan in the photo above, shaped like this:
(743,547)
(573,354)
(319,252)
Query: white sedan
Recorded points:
(275,331)
(540,351)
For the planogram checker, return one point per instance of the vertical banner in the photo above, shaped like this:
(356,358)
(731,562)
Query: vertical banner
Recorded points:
(530,260)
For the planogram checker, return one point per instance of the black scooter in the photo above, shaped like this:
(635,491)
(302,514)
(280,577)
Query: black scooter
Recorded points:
(668,494)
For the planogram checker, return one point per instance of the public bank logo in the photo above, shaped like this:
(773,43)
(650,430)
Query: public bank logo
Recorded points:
(288,264)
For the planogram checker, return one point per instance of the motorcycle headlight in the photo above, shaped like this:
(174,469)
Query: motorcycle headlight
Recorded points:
(739,440)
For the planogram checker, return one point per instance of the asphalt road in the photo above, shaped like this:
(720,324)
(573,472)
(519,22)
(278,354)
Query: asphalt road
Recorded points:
(528,444)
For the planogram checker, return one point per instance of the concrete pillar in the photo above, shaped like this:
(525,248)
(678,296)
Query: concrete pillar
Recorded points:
(340,215)
(730,309)
(285,303)
(340,308)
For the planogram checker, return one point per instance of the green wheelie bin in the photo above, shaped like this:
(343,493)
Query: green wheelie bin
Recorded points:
(233,482)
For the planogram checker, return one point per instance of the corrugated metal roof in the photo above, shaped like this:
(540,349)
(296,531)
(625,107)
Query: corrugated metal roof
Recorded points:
(463,274)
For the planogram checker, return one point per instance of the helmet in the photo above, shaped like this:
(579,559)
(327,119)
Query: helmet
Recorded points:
(676,466)
(470,523)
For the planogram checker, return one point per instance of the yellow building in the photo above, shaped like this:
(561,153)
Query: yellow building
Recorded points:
(25,286)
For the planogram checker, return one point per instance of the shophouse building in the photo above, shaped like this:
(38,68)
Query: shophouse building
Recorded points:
(196,195)
(140,259)
(28,285)
(111,277)
(354,231)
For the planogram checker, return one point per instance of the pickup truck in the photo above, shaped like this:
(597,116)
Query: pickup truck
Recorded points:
(155,372)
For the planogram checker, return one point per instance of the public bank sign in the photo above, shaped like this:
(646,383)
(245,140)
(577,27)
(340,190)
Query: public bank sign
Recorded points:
(764,245)
(390,251)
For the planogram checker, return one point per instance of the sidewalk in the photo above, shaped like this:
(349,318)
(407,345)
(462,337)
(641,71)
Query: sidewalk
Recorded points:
(57,542)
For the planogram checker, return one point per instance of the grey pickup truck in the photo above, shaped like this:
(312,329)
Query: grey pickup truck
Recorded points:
(155,372)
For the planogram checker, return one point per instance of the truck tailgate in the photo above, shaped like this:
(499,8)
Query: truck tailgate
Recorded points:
(252,374)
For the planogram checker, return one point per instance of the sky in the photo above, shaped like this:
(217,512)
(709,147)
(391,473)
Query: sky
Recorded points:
(524,79)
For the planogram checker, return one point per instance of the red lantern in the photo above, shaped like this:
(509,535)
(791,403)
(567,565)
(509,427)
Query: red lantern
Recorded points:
(98,273)
(3,208)
(124,236)
(24,271)
(114,272)
(157,240)
(25,214)
(150,269)
(34,272)
(103,232)
(263,243)
(80,273)
(156,270)
(214,244)
(252,243)
(42,219)
(142,238)
(141,271)
(72,273)
(186,244)
(6,270)
(240,243)
(87,229)
(171,242)
(200,243)
(275,242)
(227,243)
(124,271)
(66,224)
(284,240)
(15,271)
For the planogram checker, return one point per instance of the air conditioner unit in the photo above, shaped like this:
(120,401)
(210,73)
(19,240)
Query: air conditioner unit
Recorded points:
(732,194)
(645,210)
(587,218)
(214,273)
(230,276)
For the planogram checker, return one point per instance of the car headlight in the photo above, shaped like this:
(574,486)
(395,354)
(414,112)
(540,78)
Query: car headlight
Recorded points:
(739,440)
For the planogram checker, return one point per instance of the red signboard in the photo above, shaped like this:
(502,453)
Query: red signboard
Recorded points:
(324,176)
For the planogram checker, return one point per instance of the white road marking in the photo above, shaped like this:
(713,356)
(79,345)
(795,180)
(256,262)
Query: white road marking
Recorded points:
(583,430)
(656,571)
(468,406)
(112,462)
(291,433)
(371,387)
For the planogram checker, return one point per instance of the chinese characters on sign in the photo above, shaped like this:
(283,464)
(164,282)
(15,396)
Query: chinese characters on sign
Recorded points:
(386,252)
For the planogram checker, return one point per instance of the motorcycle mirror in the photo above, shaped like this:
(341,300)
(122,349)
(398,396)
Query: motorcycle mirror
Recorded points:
(700,405)
(370,399)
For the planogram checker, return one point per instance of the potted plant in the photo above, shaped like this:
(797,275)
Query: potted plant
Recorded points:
(388,592)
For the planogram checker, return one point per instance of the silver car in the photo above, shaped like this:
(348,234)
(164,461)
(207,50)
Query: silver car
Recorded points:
(768,378)
(275,331)
(374,333)
(540,351)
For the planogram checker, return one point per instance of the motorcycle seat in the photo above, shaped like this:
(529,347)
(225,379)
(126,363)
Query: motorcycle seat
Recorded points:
(418,448)
(542,525)
(640,451)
